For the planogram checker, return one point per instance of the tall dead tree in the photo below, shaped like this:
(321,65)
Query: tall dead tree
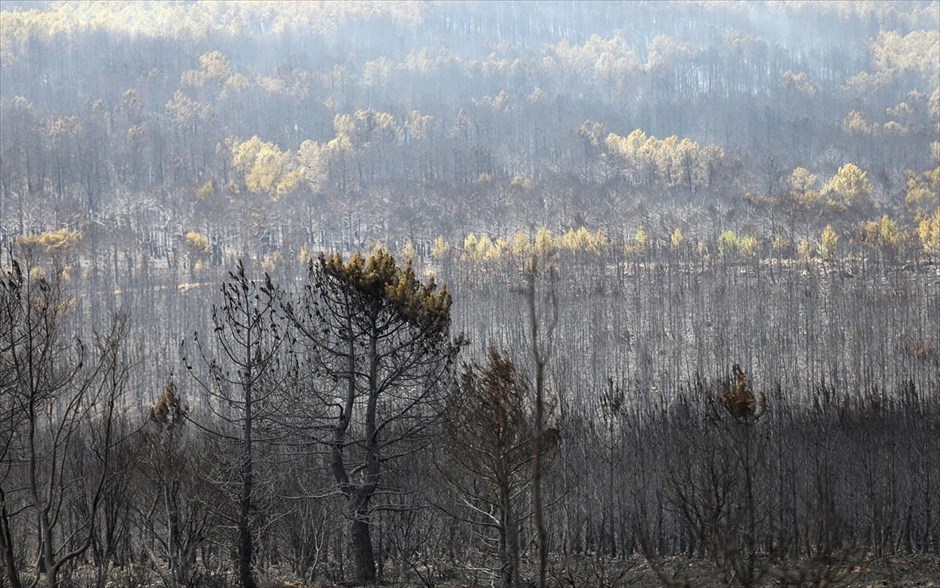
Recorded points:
(241,386)
(541,344)
(53,386)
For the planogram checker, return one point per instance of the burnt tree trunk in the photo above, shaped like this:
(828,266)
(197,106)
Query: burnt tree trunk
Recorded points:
(361,537)
(245,545)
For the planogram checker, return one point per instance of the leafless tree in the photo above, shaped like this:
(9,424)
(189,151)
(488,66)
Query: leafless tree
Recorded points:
(243,383)
(57,387)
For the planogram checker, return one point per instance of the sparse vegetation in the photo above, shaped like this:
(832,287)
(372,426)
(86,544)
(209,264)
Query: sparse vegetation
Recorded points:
(469,294)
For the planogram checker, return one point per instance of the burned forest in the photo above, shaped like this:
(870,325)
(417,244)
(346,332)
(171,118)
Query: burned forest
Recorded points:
(467,294)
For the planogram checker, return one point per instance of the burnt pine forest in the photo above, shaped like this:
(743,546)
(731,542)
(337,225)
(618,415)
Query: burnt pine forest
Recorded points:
(469,294)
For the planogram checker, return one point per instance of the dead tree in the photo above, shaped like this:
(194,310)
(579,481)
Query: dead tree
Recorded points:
(541,352)
(54,385)
(241,386)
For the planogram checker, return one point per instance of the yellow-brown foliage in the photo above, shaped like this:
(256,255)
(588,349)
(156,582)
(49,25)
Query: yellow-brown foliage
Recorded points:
(737,397)
(929,232)
(379,279)
(197,242)
(849,185)
(58,241)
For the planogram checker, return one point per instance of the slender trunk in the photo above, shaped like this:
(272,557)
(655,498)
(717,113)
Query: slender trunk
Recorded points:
(48,557)
(508,534)
(245,546)
(170,490)
(540,355)
(6,545)
(750,541)
(610,487)
(537,471)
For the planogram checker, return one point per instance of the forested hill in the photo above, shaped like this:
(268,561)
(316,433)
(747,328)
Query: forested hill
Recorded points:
(444,294)
(267,126)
